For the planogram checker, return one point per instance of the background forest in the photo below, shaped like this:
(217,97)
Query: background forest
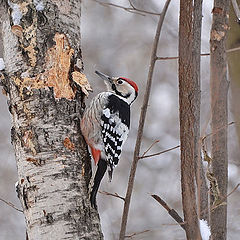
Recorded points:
(118,43)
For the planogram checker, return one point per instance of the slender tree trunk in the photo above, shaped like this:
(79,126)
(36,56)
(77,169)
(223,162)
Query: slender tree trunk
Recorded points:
(202,188)
(234,66)
(189,119)
(43,63)
(219,108)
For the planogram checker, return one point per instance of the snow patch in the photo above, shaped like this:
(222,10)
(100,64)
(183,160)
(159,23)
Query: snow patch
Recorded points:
(2,65)
(39,5)
(204,229)
(16,13)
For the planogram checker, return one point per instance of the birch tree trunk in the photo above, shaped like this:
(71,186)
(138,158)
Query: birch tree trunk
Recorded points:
(219,108)
(189,117)
(43,69)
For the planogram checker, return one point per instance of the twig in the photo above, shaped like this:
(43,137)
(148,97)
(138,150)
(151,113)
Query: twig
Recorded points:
(149,148)
(11,205)
(140,10)
(141,124)
(236,9)
(212,133)
(237,186)
(135,234)
(171,211)
(221,202)
(131,9)
(172,58)
(112,194)
(159,153)
(202,54)
(233,49)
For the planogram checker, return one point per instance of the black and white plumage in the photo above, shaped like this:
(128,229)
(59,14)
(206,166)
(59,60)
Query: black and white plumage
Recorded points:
(105,125)
(115,123)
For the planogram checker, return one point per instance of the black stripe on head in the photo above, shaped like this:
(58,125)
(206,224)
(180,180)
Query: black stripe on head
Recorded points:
(119,93)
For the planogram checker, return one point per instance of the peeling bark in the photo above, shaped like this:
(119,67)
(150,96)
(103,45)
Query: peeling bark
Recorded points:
(42,53)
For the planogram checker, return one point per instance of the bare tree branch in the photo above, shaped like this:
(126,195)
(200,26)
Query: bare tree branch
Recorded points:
(150,148)
(237,186)
(112,194)
(202,54)
(221,128)
(159,153)
(131,9)
(236,9)
(173,58)
(140,10)
(135,234)
(141,123)
(171,211)
(11,205)
(221,202)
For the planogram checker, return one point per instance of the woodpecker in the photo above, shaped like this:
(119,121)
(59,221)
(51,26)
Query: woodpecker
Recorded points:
(105,126)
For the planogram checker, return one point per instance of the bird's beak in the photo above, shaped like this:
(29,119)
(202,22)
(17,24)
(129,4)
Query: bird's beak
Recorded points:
(105,77)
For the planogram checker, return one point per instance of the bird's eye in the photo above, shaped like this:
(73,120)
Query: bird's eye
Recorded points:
(120,81)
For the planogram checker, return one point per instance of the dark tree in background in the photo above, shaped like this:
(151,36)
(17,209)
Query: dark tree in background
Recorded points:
(42,80)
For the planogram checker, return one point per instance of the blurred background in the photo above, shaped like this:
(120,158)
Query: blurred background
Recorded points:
(119,43)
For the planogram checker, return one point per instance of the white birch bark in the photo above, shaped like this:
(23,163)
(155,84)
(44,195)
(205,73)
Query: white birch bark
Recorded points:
(43,63)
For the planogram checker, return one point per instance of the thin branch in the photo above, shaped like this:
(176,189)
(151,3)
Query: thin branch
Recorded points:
(221,202)
(137,233)
(11,205)
(233,49)
(217,130)
(143,11)
(237,186)
(172,58)
(131,9)
(149,148)
(141,123)
(171,211)
(112,194)
(159,153)
(236,9)
(223,198)
(202,54)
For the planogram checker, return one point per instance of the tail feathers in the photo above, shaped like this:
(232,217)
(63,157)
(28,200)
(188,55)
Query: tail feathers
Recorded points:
(101,169)
(110,173)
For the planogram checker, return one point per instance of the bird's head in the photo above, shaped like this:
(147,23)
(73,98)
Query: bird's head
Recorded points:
(121,86)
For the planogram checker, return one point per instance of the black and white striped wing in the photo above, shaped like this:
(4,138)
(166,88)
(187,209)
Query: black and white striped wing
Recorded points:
(115,127)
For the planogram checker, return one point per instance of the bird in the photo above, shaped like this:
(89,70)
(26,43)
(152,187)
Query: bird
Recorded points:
(105,126)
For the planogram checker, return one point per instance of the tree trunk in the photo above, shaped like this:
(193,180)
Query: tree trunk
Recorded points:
(234,66)
(43,68)
(219,108)
(202,188)
(189,123)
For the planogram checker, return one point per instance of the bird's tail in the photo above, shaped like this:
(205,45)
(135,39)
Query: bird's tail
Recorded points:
(101,169)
